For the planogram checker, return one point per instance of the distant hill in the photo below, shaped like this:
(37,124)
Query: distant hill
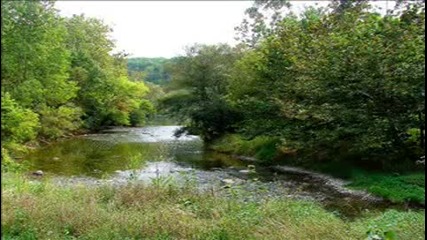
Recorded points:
(152,69)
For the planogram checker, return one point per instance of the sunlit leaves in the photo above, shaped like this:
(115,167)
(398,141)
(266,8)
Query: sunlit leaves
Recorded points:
(59,73)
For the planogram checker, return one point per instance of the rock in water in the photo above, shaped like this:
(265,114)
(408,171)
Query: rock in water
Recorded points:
(38,173)
(227,181)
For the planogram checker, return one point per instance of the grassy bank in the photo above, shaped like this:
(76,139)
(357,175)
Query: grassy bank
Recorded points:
(399,188)
(40,210)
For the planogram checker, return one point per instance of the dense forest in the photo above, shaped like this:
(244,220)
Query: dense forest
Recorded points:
(58,76)
(338,84)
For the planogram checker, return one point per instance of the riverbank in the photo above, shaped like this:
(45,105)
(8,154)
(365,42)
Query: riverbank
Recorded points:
(407,187)
(146,184)
(33,209)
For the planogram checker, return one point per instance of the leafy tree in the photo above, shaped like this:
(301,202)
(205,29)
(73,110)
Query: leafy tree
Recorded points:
(58,74)
(35,62)
(201,78)
(106,95)
(261,20)
(346,83)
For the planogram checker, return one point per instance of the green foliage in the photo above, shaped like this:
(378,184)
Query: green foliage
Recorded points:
(150,70)
(35,62)
(60,121)
(264,148)
(8,164)
(139,116)
(340,85)
(404,188)
(200,84)
(18,124)
(254,27)
(106,94)
(58,75)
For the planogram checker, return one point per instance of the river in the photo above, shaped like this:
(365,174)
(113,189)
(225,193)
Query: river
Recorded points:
(153,154)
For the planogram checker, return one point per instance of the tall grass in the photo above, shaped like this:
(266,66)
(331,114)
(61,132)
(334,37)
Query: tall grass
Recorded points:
(41,210)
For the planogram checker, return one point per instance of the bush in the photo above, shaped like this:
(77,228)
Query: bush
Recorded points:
(17,124)
(56,122)
(8,164)
(264,148)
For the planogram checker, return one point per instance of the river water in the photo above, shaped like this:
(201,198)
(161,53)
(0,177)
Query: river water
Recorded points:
(154,154)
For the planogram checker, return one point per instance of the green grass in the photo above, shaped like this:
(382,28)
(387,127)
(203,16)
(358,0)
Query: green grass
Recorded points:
(397,188)
(41,210)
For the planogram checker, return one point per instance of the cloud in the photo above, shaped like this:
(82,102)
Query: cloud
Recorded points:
(153,29)
(164,28)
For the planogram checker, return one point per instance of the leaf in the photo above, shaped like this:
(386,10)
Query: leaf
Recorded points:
(390,235)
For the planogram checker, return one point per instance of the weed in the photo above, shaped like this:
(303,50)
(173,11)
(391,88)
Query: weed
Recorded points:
(164,210)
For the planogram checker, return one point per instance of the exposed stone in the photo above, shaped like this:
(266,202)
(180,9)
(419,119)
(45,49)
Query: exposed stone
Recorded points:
(421,161)
(38,173)
(227,181)
(216,169)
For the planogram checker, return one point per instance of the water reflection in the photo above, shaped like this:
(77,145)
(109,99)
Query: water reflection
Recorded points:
(98,155)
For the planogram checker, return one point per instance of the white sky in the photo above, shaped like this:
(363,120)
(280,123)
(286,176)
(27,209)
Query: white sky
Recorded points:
(164,28)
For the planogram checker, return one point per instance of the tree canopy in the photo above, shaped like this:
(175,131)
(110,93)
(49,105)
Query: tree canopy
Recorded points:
(339,83)
(149,69)
(58,75)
